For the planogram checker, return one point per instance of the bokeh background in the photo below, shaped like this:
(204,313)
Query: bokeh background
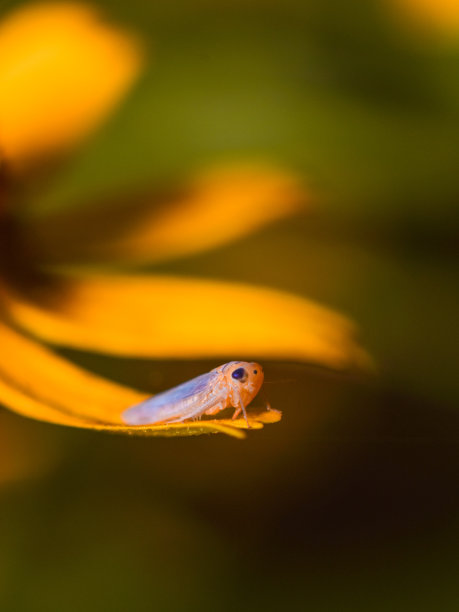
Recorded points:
(351,502)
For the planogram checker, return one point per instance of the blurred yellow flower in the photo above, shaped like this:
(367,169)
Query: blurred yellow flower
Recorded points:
(434,15)
(62,72)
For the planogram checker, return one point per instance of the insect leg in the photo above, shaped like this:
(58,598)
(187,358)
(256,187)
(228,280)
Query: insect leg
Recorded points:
(240,408)
(237,412)
(269,408)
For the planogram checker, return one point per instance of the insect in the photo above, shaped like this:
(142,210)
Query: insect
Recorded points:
(233,384)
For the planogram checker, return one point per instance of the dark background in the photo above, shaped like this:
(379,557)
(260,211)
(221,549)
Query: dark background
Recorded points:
(351,502)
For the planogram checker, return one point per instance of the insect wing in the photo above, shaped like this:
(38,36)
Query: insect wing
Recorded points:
(182,402)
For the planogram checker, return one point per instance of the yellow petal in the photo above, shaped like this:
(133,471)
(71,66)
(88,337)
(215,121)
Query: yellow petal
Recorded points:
(52,387)
(61,70)
(169,317)
(257,420)
(435,15)
(218,205)
(37,383)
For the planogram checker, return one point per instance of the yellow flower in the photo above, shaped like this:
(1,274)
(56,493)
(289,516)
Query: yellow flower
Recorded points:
(440,16)
(62,71)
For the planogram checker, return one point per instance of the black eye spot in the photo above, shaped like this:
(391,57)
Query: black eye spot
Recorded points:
(255,371)
(240,374)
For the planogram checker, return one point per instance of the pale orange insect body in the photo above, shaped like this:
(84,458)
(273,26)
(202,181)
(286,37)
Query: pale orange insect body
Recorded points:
(233,384)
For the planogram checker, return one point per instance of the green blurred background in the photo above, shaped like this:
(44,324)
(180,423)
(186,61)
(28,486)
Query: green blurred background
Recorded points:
(352,501)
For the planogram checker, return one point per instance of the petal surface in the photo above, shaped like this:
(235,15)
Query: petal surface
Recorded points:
(50,388)
(41,385)
(216,206)
(61,70)
(171,317)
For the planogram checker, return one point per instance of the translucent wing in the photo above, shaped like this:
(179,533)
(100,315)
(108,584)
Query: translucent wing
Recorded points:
(190,399)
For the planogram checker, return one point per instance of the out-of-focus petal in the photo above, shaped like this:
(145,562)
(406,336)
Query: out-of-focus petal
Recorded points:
(37,383)
(169,317)
(216,206)
(40,384)
(61,70)
(434,15)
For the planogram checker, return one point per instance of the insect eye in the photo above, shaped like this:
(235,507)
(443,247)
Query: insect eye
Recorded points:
(240,374)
